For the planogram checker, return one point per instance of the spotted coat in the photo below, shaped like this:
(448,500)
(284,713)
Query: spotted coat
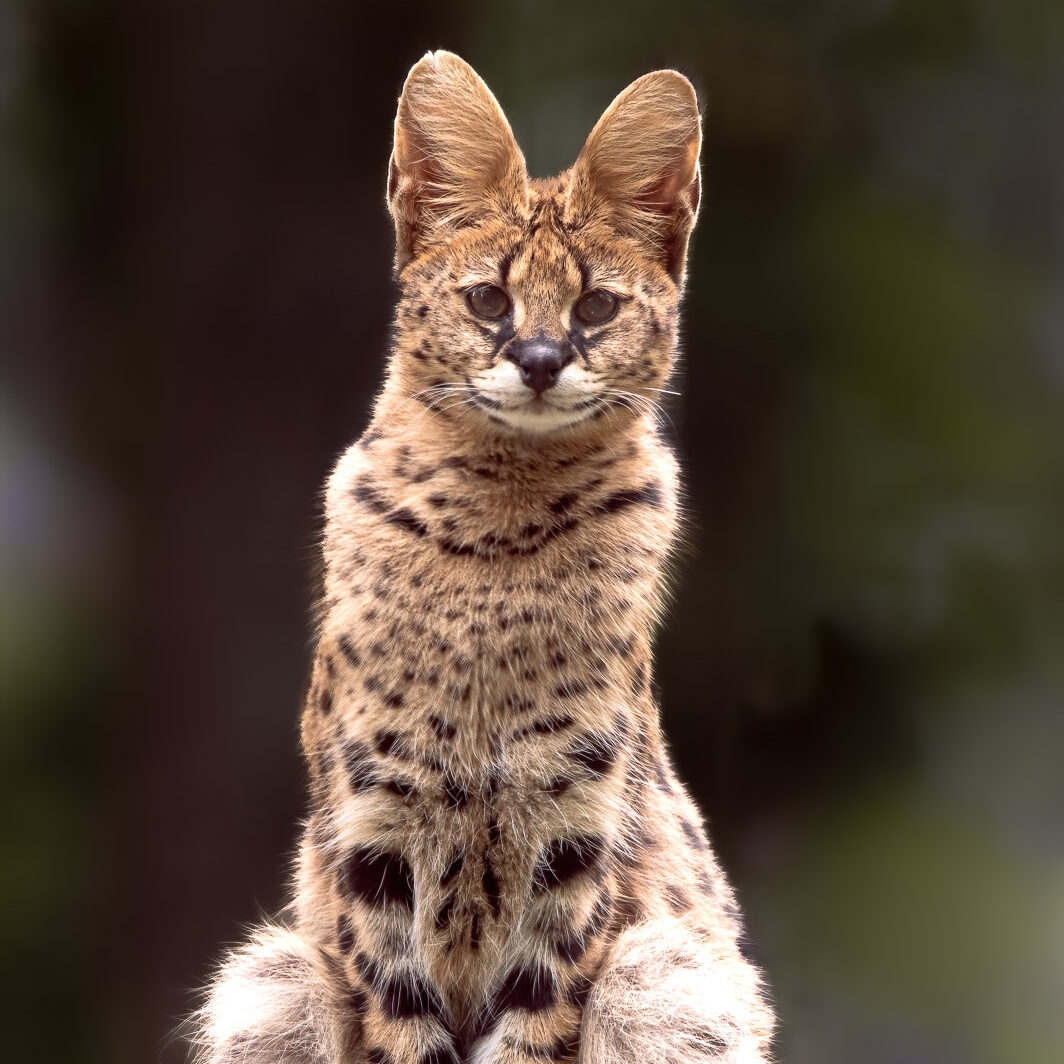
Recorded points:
(500,864)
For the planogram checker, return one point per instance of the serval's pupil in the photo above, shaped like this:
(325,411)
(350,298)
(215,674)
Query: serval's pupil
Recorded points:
(500,865)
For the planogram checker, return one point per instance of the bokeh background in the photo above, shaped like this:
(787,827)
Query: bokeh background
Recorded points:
(863,667)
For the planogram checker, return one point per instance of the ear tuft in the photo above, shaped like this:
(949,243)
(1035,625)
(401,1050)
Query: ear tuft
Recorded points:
(455,159)
(639,168)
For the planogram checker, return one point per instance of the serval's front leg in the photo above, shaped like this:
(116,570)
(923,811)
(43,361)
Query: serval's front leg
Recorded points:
(404,1015)
(536,1010)
(667,996)
(279,999)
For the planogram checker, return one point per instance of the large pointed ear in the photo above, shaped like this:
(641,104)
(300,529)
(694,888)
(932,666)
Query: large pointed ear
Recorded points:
(638,170)
(455,158)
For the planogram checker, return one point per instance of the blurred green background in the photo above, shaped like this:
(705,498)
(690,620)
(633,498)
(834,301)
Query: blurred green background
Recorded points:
(863,668)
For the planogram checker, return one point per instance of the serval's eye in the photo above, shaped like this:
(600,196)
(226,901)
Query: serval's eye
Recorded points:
(487,301)
(593,308)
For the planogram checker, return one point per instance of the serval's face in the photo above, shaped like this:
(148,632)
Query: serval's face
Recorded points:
(539,305)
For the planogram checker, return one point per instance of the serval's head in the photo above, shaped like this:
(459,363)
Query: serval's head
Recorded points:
(533,305)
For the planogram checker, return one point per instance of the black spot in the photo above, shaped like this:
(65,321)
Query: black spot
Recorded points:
(443,914)
(544,727)
(401,995)
(571,947)
(558,785)
(693,835)
(349,651)
(596,753)
(378,1056)
(372,498)
(563,859)
(361,771)
(369,969)
(532,988)
(571,689)
(378,878)
(345,936)
(407,995)
(405,789)
(662,777)
(439,1055)
(649,494)
(678,900)
(460,549)
(392,743)
(474,932)
(442,728)
(490,883)
(453,868)
(422,310)
(456,793)
(492,785)
(514,704)
(325,703)
(409,520)
(394,699)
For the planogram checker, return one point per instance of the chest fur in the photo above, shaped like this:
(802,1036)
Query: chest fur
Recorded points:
(481,688)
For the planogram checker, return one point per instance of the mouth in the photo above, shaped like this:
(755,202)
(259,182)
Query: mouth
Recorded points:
(538,413)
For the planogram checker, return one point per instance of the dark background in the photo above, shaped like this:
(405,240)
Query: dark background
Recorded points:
(863,667)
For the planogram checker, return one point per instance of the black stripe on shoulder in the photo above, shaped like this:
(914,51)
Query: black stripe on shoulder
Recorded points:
(409,520)
(546,726)
(648,495)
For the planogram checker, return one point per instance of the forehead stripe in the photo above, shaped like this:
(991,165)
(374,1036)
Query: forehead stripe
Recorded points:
(585,273)
(504,267)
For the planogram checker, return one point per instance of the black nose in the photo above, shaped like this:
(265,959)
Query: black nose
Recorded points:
(540,361)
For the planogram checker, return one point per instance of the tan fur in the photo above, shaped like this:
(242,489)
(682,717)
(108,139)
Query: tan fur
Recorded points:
(500,865)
